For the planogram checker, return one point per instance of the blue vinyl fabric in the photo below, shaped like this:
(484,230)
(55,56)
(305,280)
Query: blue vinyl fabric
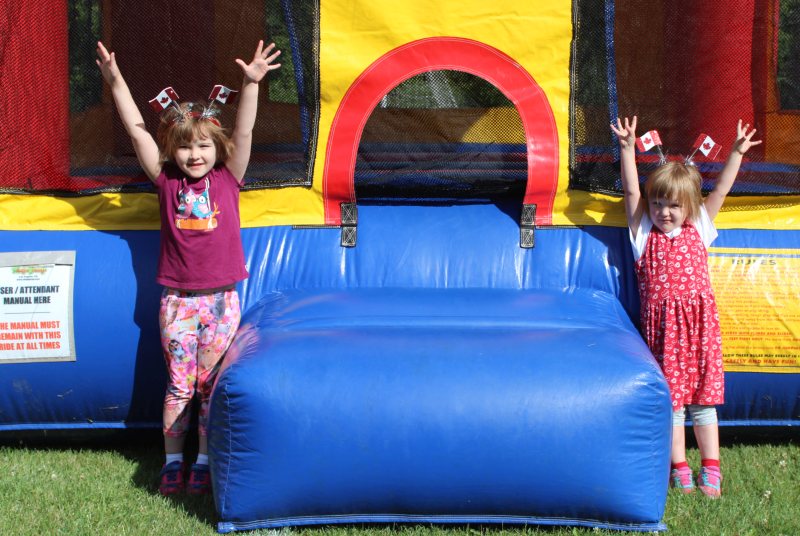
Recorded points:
(118,378)
(438,372)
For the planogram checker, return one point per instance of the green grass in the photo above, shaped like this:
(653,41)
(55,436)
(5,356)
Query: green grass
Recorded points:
(108,486)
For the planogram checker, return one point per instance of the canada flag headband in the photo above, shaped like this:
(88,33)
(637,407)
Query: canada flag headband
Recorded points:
(708,147)
(705,145)
(219,94)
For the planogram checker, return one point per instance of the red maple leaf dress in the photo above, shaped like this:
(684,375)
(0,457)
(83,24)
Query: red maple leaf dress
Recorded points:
(679,317)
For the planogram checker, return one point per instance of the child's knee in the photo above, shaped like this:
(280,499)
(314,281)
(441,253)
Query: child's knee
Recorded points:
(679,416)
(703,415)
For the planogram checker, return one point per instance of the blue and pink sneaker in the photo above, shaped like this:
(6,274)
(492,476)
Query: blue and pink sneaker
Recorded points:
(709,480)
(199,480)
(681,478)
(171,479)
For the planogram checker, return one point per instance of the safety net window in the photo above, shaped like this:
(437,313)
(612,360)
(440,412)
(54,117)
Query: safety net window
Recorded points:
(442,135)
(789,55)
(686,68)
(190,46)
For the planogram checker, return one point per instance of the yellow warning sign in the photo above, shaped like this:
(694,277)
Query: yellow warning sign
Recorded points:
(758,295)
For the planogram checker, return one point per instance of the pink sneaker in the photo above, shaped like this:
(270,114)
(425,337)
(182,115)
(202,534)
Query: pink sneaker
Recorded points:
(709,480)
(682,479)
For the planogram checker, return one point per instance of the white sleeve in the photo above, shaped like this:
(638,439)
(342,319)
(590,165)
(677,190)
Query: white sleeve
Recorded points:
(638,243)
(704,226)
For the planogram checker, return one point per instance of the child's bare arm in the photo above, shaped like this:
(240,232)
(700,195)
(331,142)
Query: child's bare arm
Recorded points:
(626,132)
(143,143)
(242,135)
(727,176)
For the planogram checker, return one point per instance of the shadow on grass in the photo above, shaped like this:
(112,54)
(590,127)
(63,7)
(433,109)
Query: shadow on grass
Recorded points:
(144,448)
(759,435)
(442,529)
(752,435)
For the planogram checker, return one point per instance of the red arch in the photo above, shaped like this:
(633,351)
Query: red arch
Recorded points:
(443,53)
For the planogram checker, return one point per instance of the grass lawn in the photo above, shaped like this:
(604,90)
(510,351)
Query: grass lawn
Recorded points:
(107,485)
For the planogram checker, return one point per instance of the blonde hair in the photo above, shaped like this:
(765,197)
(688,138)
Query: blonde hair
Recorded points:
(180,127)
(678,181)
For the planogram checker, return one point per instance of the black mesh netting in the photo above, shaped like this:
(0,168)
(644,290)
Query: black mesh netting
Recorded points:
(190,46)
(442,135)
(687,67)
(437,135)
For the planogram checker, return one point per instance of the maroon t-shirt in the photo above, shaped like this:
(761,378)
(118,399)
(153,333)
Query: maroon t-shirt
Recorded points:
(201,243)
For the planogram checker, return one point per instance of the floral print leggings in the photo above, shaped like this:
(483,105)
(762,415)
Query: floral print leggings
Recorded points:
(196,331)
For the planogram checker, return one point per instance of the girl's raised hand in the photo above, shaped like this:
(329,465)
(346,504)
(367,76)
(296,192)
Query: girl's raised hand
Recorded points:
(744,138)
(626,132)
(261,64)
(107,63)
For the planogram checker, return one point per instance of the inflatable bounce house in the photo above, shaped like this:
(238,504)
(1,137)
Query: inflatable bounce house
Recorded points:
(440,323)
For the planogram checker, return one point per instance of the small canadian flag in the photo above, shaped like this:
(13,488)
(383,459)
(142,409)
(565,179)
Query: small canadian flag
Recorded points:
(648,141)
(223,94)
(707,146)
(164,99)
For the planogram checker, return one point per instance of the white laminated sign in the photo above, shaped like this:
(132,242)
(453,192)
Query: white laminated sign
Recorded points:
(36,289)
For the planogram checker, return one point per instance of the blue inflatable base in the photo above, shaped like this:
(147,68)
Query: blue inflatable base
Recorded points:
(435,372)
(440,405)
(227,527)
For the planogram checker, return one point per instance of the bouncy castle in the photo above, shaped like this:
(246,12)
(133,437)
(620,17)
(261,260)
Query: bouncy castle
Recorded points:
(440,322)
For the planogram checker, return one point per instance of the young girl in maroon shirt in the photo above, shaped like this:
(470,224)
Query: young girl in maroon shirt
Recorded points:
(197,168)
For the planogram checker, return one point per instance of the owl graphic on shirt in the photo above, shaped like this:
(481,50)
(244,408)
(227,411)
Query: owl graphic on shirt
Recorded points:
(194,209)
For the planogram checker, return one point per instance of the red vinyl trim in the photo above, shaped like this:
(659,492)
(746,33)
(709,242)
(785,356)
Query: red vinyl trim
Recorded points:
(432,54)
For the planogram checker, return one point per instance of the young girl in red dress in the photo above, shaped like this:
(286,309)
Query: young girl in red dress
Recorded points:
(670,228)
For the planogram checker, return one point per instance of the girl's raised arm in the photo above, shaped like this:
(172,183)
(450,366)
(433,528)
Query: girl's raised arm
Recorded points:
(242,135)
(727,176)
(626,132)
(143,142)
